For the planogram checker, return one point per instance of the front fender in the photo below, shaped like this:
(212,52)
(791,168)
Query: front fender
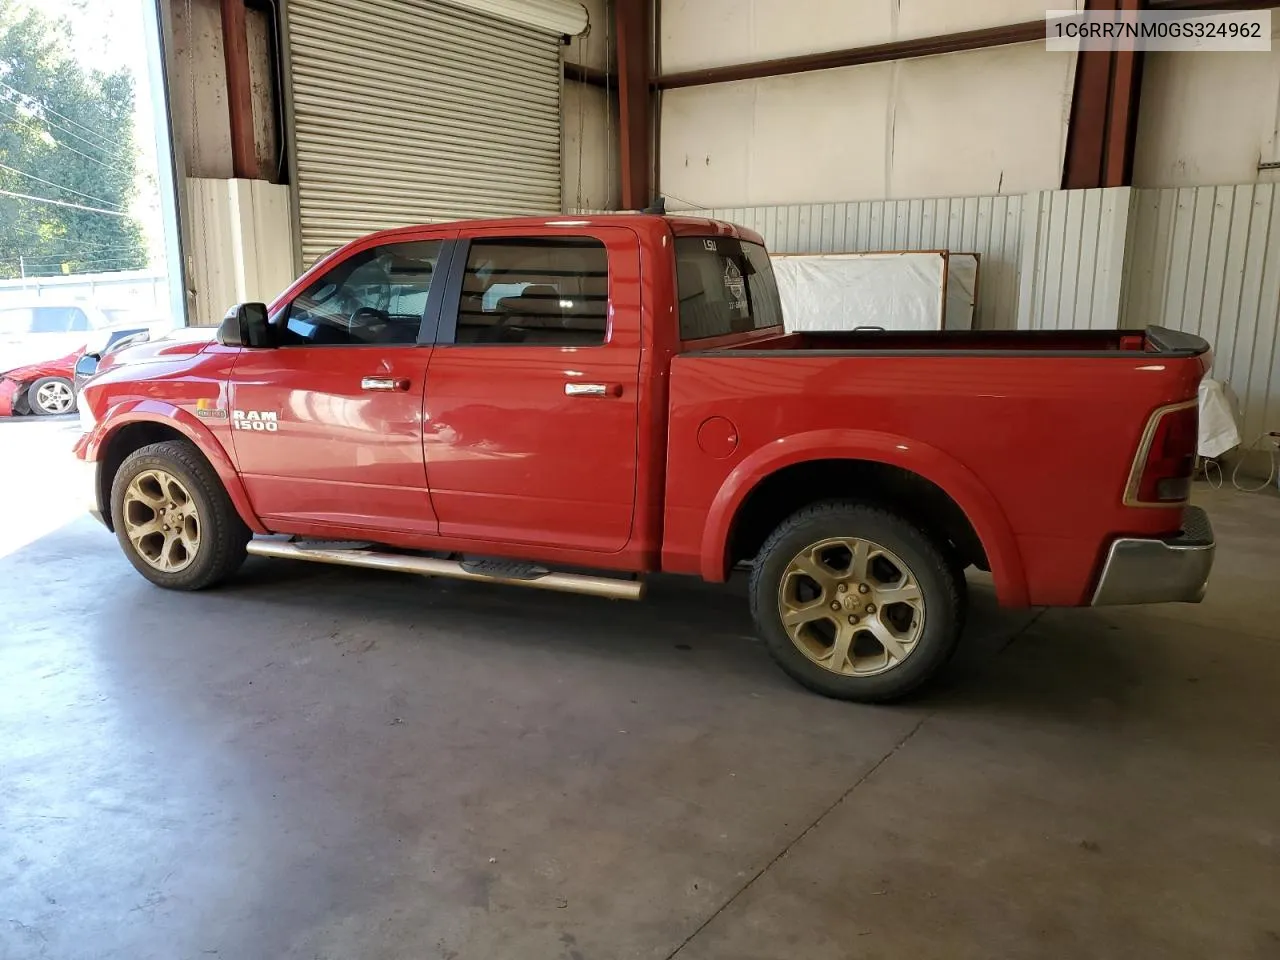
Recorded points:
(955,479)
(166,414)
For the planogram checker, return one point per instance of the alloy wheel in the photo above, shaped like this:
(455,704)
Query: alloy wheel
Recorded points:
(55,397)
(851,606)
(161,521)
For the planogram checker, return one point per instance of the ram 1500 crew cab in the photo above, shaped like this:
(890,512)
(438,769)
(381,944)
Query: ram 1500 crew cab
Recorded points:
(572,404)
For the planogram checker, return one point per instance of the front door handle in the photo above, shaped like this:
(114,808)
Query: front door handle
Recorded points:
(593,389)
(384,383)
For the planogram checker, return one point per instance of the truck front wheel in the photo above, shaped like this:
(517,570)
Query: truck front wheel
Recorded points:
(173,517)
(856,602)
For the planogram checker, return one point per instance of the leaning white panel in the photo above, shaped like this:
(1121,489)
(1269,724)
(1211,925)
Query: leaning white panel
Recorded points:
(962,290)
(843,291)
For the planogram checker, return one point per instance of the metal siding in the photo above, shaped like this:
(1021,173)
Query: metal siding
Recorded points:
(988,226)
(416,114)
(1073,256)
(1207,260)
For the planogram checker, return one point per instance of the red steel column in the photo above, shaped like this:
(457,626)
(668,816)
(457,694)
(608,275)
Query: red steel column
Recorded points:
(1104,113)
(633,19)
(235,50)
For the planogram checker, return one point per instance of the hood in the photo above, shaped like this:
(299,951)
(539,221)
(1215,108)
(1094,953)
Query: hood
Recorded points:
(58,367)
(183,342)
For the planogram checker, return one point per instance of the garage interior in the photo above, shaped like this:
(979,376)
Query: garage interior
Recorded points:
(315,762)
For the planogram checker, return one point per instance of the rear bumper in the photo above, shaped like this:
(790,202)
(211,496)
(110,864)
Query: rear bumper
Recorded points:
(1172,570)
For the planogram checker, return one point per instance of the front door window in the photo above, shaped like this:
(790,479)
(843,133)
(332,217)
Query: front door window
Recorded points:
(376,296)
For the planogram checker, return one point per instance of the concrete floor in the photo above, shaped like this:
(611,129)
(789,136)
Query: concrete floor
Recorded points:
(312,763)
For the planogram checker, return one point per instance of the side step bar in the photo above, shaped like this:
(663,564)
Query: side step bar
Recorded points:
(614,589)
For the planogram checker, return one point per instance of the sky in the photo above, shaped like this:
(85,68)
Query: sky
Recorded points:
(107,35)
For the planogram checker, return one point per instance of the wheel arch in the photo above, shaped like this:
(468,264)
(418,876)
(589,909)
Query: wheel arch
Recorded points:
(913,478)
(151,422)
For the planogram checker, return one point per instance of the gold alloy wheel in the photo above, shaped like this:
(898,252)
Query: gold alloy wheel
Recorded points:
(161,521)
(851,606)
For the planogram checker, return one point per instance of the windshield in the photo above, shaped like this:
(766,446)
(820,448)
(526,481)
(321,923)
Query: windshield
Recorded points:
(725,286)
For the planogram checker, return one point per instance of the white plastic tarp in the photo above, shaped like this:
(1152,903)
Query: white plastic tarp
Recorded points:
(962,290)
(1218,430)
(842,291)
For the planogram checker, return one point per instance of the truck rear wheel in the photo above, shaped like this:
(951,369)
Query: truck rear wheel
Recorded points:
(856,602)
(173,517)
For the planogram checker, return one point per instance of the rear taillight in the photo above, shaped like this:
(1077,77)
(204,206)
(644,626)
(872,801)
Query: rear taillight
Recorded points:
(1166,458)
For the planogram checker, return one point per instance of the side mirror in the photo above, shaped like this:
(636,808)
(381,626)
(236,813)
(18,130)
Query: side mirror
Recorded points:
(86,366)
(245,325)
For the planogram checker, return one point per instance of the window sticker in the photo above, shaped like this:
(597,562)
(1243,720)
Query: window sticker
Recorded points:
(735,286)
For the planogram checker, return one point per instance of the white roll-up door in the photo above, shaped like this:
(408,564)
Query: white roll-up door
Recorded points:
(409,111)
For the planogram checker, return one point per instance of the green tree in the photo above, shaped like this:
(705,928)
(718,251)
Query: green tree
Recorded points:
(66,134)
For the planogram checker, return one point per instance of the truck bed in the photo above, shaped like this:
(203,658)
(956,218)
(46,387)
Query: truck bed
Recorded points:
(1041,429)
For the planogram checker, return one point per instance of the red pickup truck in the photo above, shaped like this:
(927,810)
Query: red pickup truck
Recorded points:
(572,404)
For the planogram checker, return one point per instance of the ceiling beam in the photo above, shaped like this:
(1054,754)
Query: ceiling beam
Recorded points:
(592,76)
(854,56)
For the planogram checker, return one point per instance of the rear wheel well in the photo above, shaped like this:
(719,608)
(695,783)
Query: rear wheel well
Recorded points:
(907,494)
(121,443)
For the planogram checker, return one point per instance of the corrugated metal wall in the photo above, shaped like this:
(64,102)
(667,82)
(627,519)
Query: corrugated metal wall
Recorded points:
(1073,254)
(1207,260)
(989,226)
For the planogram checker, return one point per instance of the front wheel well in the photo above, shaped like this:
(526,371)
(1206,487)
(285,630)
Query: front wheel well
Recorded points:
(121,443)
(905,493)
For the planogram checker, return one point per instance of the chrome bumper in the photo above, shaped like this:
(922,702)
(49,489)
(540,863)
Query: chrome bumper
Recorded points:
(1173,570)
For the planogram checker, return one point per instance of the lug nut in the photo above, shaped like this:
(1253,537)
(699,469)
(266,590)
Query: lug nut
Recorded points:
(835,605)
(843,588)
(871,608)
(863,588)
(853,619)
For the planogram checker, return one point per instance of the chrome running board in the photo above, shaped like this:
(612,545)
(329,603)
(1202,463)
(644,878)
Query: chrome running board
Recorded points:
(610,587)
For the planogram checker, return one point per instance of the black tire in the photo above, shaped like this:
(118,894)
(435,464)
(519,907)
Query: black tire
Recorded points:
(222,534)
(33,392)
(941,583)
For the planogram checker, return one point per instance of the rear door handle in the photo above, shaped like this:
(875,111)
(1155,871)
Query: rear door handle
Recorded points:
(593,389)
(384,383)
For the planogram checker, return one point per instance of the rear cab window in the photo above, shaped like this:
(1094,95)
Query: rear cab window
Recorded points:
(724,286)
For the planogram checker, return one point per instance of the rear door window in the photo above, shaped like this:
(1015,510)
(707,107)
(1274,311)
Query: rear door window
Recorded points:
(725,286)
(536,291)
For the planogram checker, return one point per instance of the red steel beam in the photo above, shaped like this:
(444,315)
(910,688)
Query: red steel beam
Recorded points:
(594,76)
(874,53)
(633,20)
(235,51)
